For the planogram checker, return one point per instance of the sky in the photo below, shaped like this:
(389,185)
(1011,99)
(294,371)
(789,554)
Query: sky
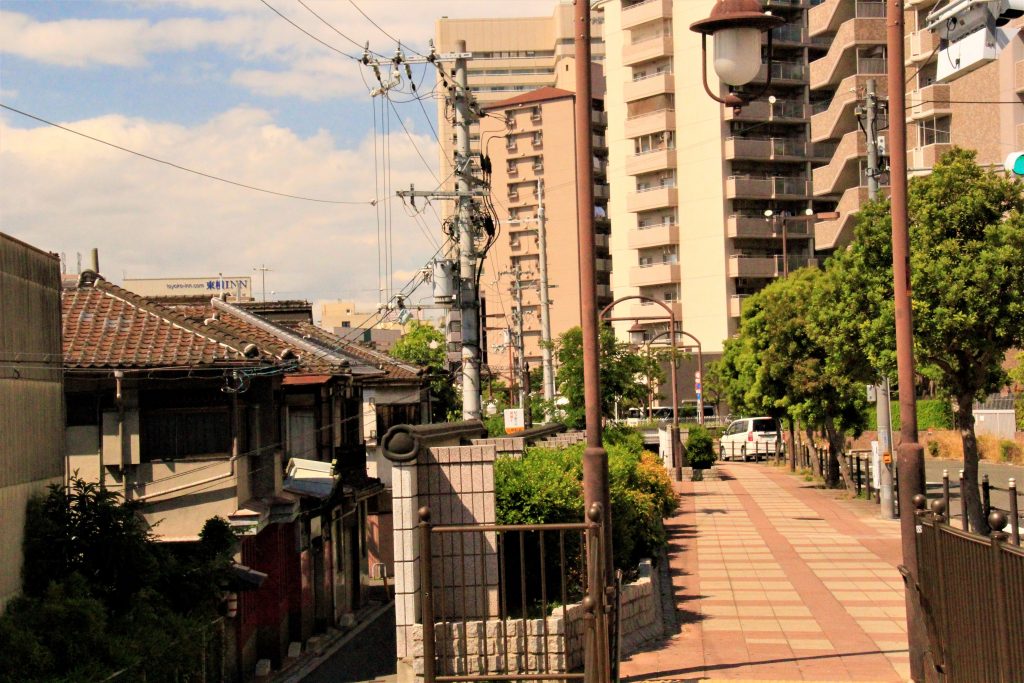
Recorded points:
(231,89)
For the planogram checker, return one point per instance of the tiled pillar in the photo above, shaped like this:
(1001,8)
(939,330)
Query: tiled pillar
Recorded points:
(405,503)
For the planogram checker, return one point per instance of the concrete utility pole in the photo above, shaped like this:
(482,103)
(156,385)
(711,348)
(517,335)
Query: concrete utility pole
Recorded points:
(263,275)
(517,338)
(545,303)
(883,413)
(468,187)
(469,299)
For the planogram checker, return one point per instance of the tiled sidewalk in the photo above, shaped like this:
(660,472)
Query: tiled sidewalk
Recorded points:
(777,581)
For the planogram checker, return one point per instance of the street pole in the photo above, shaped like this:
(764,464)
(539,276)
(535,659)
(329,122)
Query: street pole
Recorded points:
(469,303)
(910,459)
(883,413)
(785,250)
(547,364)
(595,458)
(263,276)
(520,346)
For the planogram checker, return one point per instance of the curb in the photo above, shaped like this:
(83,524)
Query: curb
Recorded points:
(303,668)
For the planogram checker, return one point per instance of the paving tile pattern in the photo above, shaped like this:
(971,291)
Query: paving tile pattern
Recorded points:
(777,581)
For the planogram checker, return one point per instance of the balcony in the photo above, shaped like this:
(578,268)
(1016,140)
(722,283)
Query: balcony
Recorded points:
(927,102)
(649,309)
(599,119)
(926,157)
(831,14)
(773,149)
(598,141)
(838,233)
(752,266)
(841,60)
(654,198)
(654,274)
(646,49)
(600,191)
(838,119)
(780,187)
(736,305)
(920,47)
(601,241)
(644,12)
(654,236)
(783,73)
(783,111)
(651,161)
(603,292)
(653,122)
(656,84)
(788,34)
(600,167)
(752,226)
(603,265)
(844,169)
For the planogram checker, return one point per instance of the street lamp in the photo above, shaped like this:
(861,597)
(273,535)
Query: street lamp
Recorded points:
(736,27)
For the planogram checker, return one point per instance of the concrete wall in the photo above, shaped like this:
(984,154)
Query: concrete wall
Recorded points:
(31,393)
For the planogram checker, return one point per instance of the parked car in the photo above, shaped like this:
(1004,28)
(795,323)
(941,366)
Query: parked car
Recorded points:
(749,438)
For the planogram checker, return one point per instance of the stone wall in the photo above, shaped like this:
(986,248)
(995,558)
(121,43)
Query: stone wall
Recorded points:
(552,645)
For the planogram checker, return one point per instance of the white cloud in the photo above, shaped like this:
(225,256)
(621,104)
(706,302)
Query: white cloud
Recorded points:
(63,193)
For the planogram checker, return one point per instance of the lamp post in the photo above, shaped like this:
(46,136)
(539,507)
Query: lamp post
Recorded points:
(809,215)
(737,61)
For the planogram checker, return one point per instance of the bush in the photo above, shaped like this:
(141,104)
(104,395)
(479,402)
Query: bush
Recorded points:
(932,413)
(1009,451)
(700,448)
(934,449)
(623,435)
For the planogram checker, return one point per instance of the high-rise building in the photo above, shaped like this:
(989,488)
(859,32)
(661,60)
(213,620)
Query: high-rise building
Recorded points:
(533,156)
(510,56)
(690,179)
(966,92)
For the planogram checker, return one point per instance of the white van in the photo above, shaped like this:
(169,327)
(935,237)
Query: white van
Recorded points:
(750,438)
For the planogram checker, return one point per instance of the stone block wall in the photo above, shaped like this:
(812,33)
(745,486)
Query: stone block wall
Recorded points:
(551,645)
(506,446)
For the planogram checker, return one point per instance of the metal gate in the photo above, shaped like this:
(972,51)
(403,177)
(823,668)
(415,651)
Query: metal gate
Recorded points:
(514,602)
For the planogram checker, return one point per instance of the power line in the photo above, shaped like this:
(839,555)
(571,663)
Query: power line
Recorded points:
(180,167)
(325,44)
(379,28)
(332,27)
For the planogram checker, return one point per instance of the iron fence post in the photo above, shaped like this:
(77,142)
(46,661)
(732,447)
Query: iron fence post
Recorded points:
(426,595)
(996,521)
(1014,514)
(945,489)
(986,497)
(963,508)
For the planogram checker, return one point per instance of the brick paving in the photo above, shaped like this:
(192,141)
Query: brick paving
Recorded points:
(775,580)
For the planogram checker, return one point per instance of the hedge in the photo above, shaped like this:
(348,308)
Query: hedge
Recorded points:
(932,413)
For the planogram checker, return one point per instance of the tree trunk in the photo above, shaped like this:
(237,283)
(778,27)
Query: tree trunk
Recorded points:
(812,452)
(792,446)
(970,496)
(836,467)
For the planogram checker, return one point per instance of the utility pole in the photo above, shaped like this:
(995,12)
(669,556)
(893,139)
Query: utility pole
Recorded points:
(518,341)
(468,188)
(545,304)
(883,414)
(263,274)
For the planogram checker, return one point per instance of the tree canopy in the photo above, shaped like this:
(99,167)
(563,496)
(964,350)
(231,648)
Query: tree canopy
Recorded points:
(424,345)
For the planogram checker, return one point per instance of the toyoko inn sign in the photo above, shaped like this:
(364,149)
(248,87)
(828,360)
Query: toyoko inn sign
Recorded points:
(179,286)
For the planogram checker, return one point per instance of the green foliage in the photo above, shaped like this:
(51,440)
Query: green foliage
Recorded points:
(546,486)
(932,413)
(934,449)
(100,594)
(624,374)
(700,448)
(1009,451)
(426,346)
(623,435)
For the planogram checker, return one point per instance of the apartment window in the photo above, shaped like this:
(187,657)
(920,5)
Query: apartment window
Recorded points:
(535,114)
(654,142)
(650,105)
(512,168)
(538,139)
(933,131)
(670,295)
(176,433)
(510,143)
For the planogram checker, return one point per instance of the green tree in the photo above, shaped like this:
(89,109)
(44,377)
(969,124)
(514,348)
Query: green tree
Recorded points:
(425,346)
(623,374)
(967,280)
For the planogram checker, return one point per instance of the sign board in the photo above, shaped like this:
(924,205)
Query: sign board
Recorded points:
(887,458)
(515,420)
(872,398)
(240,286)
(876,466)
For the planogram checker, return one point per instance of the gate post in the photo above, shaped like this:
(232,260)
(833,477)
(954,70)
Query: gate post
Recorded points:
(597,655)
(996,522)
(426,595)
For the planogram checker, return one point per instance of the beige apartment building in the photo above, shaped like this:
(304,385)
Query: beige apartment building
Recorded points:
(978,109)
(534,157)
(690,179)
(510,56)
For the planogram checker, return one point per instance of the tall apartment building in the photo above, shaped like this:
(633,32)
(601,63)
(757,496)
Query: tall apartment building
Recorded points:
(691,179)
(510,56)
(976,106)
(534,144)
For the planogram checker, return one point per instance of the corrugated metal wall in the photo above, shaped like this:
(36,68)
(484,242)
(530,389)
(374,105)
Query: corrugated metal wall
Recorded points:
(31,392)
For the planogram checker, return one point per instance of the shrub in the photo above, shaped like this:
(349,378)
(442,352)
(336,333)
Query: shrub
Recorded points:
(623,435)
(932,413)
(1009,451)
(934,448)
(700,448)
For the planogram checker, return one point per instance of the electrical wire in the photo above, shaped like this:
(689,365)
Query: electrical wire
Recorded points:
(334,28)
(184,168)
(325,44)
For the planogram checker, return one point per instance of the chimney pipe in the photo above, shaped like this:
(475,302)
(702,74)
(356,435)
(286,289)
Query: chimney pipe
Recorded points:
(95,260)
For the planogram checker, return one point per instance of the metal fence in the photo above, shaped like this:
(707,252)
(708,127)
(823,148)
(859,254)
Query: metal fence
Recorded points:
(751,450)
(971,592)
(514,602)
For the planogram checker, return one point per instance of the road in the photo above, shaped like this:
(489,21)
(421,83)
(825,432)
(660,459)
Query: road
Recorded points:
(367,657)
(998,474)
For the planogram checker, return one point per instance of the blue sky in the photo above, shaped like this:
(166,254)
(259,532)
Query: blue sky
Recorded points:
(229,88)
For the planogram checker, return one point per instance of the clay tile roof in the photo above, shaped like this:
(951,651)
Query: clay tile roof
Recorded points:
(539,95)
(105,326)
(361,355)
